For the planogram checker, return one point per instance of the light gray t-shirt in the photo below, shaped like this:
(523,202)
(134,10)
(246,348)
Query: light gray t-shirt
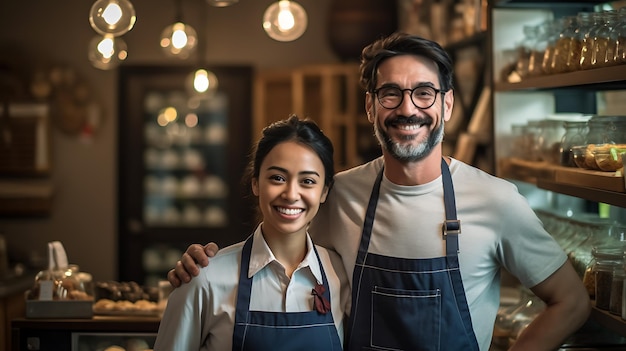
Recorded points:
(499,229)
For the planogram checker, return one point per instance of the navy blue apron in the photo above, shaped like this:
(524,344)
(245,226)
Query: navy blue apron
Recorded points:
(410,304)
(262,331)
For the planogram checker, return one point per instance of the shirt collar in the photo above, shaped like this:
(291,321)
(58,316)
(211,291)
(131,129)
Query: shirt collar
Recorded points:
(261,256)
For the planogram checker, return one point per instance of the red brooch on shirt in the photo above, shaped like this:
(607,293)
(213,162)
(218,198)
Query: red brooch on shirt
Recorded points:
(321,304)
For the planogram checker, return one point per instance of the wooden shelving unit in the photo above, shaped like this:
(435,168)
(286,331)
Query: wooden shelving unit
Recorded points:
(605,187)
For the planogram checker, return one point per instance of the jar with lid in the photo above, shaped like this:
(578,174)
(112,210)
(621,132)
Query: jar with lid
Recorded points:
(553,29)
(619,35)
(519,141)
(525,49)
(599,235)
(606,130)
(607,259)
(539,49)
(549,140)
(562,60)
(575,132)
(583,23)
(524,315)
(603,48)
(503,325)
(617,290)
(586,51)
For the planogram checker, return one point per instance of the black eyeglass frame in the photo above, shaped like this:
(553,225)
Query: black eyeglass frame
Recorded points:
(411,90)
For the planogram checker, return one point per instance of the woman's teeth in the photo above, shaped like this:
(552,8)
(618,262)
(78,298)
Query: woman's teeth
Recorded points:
(289,211)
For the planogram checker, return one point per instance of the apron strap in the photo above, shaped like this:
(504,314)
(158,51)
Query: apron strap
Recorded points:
(451,226)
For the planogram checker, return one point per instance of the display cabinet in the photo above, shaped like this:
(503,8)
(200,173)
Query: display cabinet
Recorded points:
(98,333)
(534,97)
(182,156)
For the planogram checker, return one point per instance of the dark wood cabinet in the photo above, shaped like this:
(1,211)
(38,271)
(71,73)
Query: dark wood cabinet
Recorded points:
(181,160)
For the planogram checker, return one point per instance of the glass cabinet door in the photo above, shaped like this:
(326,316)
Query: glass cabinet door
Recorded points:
(181,161)
(185,160)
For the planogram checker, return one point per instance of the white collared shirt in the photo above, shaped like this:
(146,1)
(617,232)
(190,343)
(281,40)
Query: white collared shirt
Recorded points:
(200,315)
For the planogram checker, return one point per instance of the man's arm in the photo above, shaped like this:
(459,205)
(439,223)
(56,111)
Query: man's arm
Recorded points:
(567,308)
(187,267)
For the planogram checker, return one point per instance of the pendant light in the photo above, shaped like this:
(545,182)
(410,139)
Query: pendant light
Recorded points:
(179,39)
(285,20)
(114,17)
(107,52)
(221,3)
(201,83)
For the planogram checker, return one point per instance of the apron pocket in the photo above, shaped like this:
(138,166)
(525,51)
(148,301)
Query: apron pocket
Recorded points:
(416,328)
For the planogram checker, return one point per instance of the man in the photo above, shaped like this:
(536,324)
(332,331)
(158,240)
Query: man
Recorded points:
(423,237)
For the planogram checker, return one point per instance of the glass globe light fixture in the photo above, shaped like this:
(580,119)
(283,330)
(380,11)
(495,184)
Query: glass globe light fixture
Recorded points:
(115,17)
(179,40)
(285,20)
(202,82)
(222,3)
(107,52)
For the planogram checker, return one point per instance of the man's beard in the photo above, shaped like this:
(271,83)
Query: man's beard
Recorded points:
(407,152)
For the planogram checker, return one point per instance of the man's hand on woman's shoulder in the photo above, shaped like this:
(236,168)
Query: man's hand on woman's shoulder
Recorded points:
(187,267)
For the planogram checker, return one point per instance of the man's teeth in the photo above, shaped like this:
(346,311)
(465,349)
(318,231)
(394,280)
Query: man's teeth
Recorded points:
(289,211)
(409,126)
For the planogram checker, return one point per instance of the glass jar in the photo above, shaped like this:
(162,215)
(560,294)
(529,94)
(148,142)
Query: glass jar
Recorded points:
(584,22)
(562,60)
(575,132)
(553,29)
(603,46)
(524,315)
(619,35)
(518,141)
(525,49)
(607,259)
(539,49)
(617,290)
(549,140)
(606,130)
(586,51)
(503,325)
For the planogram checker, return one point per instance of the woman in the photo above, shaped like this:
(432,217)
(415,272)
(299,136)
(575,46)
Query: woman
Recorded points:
(276,290)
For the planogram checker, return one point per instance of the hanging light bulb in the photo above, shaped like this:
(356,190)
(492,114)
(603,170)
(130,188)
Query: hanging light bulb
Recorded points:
(202,83)
(285,20)
(222,3)
(179,40)
(107,52)
(115,17)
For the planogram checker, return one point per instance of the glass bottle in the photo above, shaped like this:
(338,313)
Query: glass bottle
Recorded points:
(575,132)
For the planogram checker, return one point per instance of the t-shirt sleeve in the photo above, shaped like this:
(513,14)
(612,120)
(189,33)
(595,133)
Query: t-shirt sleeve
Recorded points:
(526,249)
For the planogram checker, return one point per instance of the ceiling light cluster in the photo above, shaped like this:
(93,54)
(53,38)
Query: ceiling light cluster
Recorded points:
(283,20)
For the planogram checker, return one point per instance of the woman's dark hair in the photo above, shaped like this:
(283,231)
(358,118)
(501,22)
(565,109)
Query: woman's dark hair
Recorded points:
(302,131)
(403,44)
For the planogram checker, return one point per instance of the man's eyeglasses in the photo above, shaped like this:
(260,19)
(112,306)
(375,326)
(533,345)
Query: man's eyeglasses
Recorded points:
(423,97)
